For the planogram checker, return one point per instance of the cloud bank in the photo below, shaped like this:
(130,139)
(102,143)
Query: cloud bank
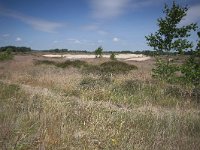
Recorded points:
(106,9)
(36,23)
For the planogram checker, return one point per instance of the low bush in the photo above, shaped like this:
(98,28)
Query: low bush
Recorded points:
(75,63)
(116,67)
(46,62)
(5,55)
(67,63)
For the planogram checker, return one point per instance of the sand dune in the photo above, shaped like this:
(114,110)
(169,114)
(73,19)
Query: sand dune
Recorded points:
(126,57)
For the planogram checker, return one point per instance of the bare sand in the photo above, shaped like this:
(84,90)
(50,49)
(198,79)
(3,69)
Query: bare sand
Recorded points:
(125,57)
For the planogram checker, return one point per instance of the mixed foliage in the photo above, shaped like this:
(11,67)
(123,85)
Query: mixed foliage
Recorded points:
(170,38)
(98,52)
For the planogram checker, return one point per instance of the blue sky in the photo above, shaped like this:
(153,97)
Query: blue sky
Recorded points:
(84,24)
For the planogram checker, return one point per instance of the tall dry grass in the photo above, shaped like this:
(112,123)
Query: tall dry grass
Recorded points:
(45,107)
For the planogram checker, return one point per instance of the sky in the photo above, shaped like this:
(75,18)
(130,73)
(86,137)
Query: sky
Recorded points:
(115,25)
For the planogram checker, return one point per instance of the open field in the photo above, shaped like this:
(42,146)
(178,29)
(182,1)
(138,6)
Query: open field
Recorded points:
(54,103)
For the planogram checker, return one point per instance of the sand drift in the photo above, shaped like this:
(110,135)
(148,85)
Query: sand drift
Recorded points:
(125,57)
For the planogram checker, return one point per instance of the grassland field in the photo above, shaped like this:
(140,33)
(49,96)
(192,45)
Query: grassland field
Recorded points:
(88,104)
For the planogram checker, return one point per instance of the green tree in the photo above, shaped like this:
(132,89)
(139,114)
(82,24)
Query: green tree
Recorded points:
(98,52)
(191,69)
(171,37)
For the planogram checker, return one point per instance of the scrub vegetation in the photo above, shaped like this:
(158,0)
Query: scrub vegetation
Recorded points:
(101,103)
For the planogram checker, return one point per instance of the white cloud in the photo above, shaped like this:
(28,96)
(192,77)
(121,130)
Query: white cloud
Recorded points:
(18,39)
(108,8)
(115,39)
(75,41)
(193,15)
(100,41)
(36,23)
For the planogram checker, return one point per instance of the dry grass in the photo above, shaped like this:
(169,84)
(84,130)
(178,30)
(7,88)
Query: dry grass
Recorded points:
(46,107)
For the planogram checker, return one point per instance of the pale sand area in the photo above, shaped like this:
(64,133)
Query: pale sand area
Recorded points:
(125,57)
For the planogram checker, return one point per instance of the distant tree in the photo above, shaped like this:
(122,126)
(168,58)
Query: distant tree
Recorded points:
(98,52)
(171,37)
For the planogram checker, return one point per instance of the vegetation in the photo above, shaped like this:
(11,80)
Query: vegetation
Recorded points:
(191,68)
(112,56)
(170,37)
(65,64)
(15,49)
(53,108)
(98,52)
(109,67)
(100,104)
(6,55)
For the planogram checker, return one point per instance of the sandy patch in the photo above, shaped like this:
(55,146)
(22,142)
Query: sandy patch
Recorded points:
(126,57)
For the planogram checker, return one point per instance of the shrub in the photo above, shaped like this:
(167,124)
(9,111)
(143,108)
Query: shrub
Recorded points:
(6,55)
(68,63)
(164,70)
(191,71)
(98,52)
(116,67)
(46,62)
(112,56)
(75,63)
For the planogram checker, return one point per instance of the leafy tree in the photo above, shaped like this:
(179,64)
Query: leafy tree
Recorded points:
(170,37)
(98,52)
(191,69)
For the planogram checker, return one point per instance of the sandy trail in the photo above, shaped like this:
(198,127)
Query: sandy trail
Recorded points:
(125,57)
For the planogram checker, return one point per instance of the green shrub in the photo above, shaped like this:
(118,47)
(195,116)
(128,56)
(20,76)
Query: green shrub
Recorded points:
(112,56)
(6,55)
(68,63)
(75,63)
(116,67)
(164,70)
(191,71)
(98,52)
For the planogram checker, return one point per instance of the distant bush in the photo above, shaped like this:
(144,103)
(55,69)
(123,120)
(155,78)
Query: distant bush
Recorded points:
(116,67)
(110,67)
(6,55)
(113,67)
(68,63)
(15,49)
(98,52)
(46,62)
(75,63)
(113,56)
